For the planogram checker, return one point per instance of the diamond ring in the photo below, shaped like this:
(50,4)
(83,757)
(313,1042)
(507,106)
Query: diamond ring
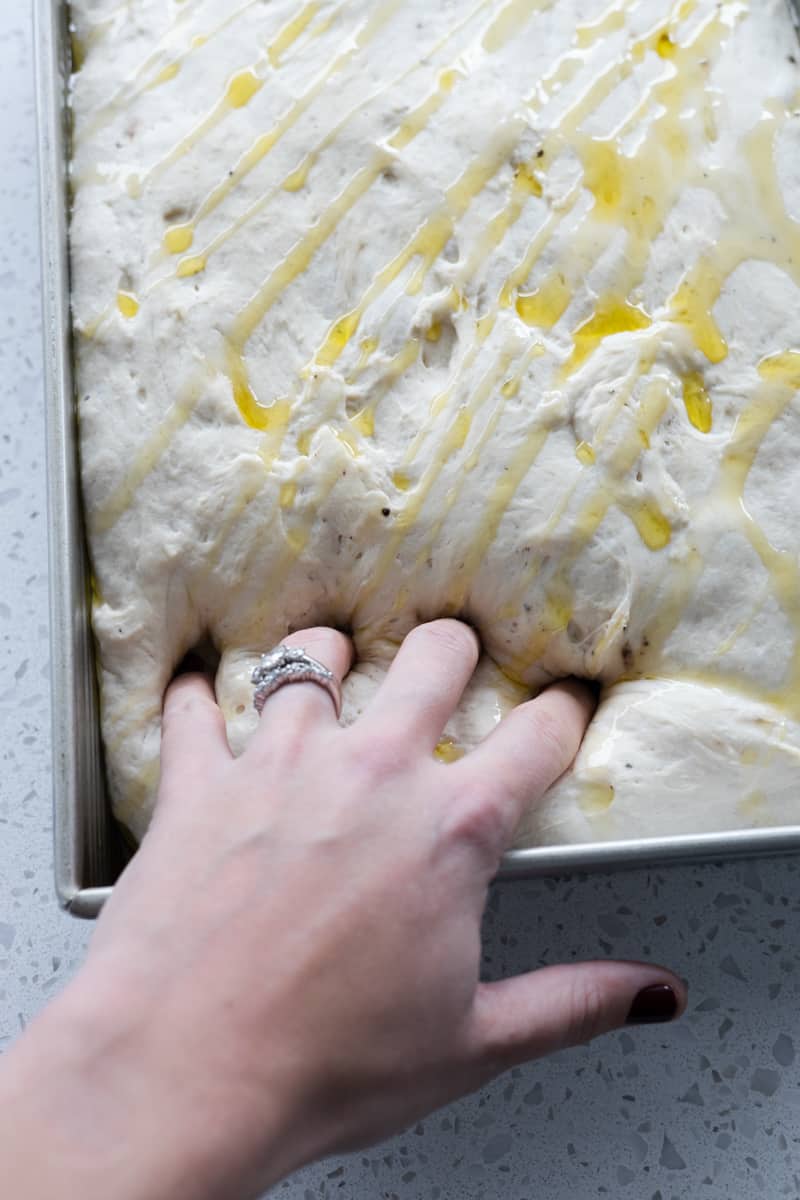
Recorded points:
(291,664)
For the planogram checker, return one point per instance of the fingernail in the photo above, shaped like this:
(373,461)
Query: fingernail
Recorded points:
(652,1005)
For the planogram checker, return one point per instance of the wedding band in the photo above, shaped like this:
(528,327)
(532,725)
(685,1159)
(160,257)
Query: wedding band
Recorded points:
(291,664)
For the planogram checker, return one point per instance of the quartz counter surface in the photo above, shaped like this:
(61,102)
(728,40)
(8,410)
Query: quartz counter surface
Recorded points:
(709,1108)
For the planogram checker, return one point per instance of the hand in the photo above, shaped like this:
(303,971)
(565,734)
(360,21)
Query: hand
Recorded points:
(289,965)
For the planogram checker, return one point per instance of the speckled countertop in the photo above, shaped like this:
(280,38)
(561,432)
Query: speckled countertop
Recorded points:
(709,1108)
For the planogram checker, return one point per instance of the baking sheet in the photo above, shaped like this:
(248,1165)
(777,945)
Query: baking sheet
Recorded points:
(89,852)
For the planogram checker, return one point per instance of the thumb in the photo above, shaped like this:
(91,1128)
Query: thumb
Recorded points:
(546,1010)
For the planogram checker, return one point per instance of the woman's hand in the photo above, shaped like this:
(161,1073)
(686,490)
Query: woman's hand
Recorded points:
(290,964)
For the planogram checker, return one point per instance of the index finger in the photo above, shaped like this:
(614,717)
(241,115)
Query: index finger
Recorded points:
(525,755)
(193,736)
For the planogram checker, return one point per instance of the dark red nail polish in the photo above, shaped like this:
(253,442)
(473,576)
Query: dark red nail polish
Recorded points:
(652,1005)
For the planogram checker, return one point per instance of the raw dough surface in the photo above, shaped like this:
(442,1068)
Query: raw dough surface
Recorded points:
(388,309)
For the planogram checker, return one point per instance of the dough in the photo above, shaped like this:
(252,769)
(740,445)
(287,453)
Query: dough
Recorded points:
(387,310)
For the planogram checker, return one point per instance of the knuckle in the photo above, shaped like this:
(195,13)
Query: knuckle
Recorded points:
(183,707)
(587,1012)
(480,822)
(287,748)
(550,741)
(380,755)
(447,638)
(319,641)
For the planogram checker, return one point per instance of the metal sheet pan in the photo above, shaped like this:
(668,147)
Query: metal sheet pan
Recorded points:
(87,847)
(89,852)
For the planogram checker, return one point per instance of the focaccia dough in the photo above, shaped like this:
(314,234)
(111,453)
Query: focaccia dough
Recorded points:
(391,309)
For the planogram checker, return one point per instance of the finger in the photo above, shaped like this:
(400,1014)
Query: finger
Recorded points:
(527,752)
(425,682)
(193,736)
(307,702)
(530,1015)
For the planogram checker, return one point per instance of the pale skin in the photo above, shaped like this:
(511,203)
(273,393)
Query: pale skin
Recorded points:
(290,964)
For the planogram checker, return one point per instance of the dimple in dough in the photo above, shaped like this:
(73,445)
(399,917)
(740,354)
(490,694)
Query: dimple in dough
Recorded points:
(387,310)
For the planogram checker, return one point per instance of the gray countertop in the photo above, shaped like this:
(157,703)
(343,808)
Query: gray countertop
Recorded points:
(708,1108)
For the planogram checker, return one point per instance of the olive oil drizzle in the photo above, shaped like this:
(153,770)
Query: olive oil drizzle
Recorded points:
(145,76)
(620,184)
(246,323)
(149,456)
(613,316)
(428,242)
(266,142)
(251,317)
(180,237)
(525,184)
(781,375)
(651,524)
(270,292)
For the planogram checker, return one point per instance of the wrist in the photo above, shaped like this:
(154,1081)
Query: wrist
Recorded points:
(94,1084)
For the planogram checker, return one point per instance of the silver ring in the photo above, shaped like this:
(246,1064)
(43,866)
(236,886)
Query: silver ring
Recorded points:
(291,664)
